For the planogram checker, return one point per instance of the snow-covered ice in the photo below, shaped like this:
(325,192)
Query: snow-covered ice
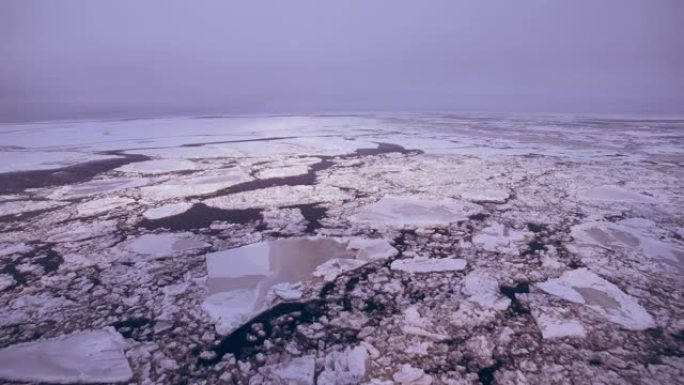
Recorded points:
(402,211)
(94,356)
(426,265)
(584,287)
(166,244)
(167,210)
(333,249)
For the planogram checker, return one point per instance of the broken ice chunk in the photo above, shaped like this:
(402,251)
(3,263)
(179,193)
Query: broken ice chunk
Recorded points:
(425,265)
(554,323)
(372,249)
(165,244)
(347,367)
(408,375)
(498,237)
(158,166)
(103,205)
(484,290)
(298,371)
(94,356)
(400,212)
(167,210)
(585,287)
(335,267)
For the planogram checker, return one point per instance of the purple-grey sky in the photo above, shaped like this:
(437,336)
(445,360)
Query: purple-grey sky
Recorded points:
(74,59)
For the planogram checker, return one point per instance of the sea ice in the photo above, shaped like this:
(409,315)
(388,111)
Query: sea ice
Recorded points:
(335,267)
(614,194)
(408,375)
(628,235)
(483,289)
(485,195)
(428,265)
(200,184)
(555,323)
(240,279)
(347,367)
(395,211)
(371,249)
(297,371)
(585,287)
(80,231)
(6,281)
(498,237)
(158,166)
(94,356)
(24,206)
(167,210)
(279,196)
(103,205)
(95,187)
(165,244)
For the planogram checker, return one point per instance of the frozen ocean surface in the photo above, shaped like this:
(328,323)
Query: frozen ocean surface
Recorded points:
(368,249)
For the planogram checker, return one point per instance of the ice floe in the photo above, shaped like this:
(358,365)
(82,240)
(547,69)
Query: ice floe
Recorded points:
(94,356)
(25,206)
(195,185)
(77,231)
(428,265)
(158,166)
(628,236)
(483,289)
(555,322)
(499,237)
(240,279)
(297,371)
(167,210)
(6,281)
(96,187)
(103,205)
(279,196)
(165,244)
(584,287)
(408,375)
(405,211)
(347,367)
(417,325)
(609,193)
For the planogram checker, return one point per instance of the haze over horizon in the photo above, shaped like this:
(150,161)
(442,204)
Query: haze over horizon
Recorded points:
(114,59)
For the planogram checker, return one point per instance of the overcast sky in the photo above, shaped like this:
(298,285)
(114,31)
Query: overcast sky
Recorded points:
(79,59)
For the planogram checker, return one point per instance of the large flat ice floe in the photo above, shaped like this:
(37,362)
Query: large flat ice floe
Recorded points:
(167,210)
(584,287)
(158,166)
(242,280)
(94,356)
(200,184)
(165,244)
(404,211)
(428,265)
(630,236)
(279,196)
